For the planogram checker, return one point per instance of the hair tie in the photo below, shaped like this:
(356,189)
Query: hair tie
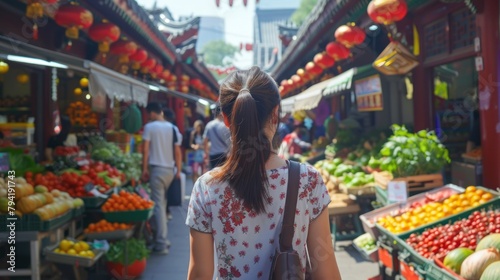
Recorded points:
(244,90)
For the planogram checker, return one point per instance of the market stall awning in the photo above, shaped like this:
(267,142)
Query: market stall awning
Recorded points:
(104,81)
(186,96)
(343,82)
(340,83)
(306,100)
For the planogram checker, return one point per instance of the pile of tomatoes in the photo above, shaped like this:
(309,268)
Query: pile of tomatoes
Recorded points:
(126,201)
(465,233)
(97,167)
(73,183)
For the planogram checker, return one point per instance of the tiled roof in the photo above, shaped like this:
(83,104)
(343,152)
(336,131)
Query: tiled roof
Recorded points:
(267,31)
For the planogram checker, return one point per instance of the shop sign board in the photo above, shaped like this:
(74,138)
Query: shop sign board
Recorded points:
(369,94)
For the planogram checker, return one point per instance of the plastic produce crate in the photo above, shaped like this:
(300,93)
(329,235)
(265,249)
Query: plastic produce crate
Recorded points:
(388,255)
(367,218)
(31,222)
(77,212)
(50,255)
(111,235)
(432,270)
(410,269)
(128,216)
(494,203)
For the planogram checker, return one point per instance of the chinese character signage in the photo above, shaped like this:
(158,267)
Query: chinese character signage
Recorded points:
(369,94)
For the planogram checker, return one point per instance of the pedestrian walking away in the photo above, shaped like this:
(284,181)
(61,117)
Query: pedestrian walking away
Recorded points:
(216,140)
(158,167)
(236,210)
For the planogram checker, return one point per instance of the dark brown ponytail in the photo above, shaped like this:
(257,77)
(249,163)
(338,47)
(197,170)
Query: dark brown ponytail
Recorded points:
(248,98)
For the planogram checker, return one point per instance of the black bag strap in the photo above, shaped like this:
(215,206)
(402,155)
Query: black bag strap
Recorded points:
(174,140)
(292,192)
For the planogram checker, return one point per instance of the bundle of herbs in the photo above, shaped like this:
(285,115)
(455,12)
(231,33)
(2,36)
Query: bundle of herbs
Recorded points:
(410,154)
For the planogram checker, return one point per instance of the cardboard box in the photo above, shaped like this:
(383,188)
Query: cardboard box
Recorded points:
(466,174)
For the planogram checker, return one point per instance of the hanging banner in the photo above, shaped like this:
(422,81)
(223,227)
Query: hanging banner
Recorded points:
(369,94)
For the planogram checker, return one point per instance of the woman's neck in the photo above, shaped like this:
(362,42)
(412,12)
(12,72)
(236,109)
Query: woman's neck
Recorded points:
(274,161)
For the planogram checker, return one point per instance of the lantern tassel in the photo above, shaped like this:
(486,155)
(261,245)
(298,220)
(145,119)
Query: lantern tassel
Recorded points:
(35,31)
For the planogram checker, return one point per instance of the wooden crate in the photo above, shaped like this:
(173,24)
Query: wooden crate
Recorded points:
(415,183)
(368,189)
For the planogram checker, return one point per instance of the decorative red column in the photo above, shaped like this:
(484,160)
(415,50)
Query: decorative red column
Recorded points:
(487,23)
(178,103)
(422,99)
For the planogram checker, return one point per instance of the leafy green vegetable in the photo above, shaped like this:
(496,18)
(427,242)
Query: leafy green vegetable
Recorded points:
(136,251)
(410,154)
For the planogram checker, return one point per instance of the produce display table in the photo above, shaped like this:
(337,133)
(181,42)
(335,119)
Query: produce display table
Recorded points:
(341,206)
(35,238)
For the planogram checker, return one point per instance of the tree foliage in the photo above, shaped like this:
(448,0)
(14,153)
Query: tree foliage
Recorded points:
(300,15)
(219,53)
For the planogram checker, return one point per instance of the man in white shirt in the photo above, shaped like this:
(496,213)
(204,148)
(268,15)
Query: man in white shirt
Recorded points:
(158,167)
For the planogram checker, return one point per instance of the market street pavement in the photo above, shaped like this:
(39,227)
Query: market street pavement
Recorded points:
(174,266)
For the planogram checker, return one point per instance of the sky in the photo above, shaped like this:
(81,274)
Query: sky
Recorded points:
(238,19)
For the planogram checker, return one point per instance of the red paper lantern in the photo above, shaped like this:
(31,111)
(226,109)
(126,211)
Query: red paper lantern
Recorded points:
(195,83)
(337,51)
(350,35)
(104,33)
(313,69)
(165,75)
(297,80)
(324,61)
(147,65)
(137,58)
(231,3)
(157,71)
(217,3)
(123,49)
(184,89)
(73,18)
(387,11)
(245,2)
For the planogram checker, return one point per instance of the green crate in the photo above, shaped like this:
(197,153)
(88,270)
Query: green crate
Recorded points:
(434,272)
(128,216)
(494,203)
(31,222)
(398,240)
(77,212)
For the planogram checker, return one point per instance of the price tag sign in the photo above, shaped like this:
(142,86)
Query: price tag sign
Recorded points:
(397,191)
(142,192)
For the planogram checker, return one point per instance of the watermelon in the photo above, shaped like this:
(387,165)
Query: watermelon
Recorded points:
(455,258)
(490,241)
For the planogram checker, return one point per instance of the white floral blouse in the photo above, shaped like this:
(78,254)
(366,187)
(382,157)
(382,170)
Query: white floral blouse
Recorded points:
(245,242)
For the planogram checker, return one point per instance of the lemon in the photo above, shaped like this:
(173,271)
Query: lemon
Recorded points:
(78,247)
(57,250)
(90,254)
(65,245)
(72,252)
(83,254)
(84,245)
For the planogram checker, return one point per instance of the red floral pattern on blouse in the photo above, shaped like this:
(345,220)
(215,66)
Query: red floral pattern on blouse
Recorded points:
(244,240)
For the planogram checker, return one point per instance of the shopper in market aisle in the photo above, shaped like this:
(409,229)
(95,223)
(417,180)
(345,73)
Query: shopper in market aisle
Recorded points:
(238,207)
(159,168)
(63,138)
(216,140)
(196,143)
(169,116)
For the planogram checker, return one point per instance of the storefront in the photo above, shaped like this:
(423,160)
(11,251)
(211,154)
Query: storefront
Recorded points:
(458,59)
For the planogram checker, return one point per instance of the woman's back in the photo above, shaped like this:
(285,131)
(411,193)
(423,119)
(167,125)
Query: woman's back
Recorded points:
(246,241)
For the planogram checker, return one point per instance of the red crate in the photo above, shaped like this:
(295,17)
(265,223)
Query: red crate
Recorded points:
(409,272)
(388,257)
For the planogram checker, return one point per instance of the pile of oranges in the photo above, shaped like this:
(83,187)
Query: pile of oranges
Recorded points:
(434,211)
(105,226)
(126,201)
